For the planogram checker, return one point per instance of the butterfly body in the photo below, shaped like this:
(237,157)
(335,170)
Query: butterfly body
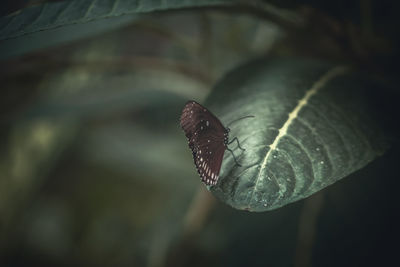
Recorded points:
(207,138)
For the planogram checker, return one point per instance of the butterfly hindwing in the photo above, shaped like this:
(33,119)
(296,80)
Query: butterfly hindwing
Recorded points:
(208,161)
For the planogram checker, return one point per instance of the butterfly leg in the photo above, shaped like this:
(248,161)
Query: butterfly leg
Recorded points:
(237,140)
(230,150)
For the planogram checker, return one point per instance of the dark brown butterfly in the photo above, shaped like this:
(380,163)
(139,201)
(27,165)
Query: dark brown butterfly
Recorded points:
(208,139)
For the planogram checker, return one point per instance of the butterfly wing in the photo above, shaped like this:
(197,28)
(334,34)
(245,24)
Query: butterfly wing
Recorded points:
(208,161)
(206,136)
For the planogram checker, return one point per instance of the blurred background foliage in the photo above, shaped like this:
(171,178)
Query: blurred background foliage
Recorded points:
(95,171)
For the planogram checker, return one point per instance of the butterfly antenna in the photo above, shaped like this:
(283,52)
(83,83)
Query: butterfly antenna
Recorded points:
(245,117)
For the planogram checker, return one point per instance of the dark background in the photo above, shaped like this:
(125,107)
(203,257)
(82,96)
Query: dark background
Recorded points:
(95,171)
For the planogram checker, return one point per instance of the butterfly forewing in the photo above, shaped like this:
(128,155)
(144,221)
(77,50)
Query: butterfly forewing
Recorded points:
(206,136)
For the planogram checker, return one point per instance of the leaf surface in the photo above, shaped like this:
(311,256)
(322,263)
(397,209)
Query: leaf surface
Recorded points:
(312,127)
(50,23)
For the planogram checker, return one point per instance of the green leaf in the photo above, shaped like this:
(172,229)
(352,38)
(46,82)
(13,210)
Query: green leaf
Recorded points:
(63,21)
(312,127)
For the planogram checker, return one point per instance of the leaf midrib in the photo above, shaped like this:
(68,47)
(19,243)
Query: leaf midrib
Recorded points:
(317,86)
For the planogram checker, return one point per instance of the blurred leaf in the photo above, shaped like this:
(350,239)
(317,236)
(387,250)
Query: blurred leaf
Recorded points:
(131,93)
(35,146)
(55,16)
(232,40)
(131,149)
(312,127)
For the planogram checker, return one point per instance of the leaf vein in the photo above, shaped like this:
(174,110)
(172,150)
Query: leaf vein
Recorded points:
(341,138)
(328,76)
(5,26)
(361,136)
(305,150)
(67,6)
(114,6)
(89,9)
(40,13)
(291,164)
(316,136)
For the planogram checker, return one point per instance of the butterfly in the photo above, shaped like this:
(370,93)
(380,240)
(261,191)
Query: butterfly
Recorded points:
(208,139)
